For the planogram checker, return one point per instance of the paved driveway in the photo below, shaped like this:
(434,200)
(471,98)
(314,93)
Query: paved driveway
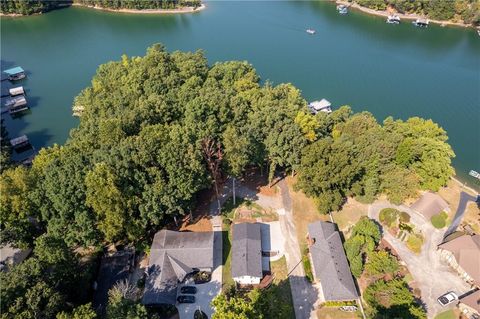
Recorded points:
(304,294)
(207,291)
(432,275)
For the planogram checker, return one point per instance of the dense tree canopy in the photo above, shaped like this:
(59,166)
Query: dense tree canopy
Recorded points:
(28,7)
(467,11)
(359,157)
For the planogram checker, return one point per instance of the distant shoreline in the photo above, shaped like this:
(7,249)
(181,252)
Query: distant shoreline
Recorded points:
(404,16)
(146,11)
(134,11)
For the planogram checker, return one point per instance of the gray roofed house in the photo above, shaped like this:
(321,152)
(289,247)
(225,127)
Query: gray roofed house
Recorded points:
(429,205)
(174,255)
(329,262)
(247,253)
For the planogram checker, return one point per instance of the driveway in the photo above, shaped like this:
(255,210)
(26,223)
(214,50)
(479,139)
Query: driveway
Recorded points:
(462,205)
(433,276)
(304,294)
(207,291)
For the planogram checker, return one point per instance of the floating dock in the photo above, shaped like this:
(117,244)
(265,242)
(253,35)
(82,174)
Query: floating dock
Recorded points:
(15,74)
(20,142)
(16,91)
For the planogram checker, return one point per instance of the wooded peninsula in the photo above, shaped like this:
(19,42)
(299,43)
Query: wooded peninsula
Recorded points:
(155,131)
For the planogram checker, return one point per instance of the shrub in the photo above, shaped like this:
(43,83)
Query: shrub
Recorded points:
(388,216)
(307,266)
(405,227)
(339,303)
(381,262)
(415,242)
(404,217)
(440,220)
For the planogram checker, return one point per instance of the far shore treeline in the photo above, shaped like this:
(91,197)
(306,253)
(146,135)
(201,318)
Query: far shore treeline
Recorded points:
(28,7)
(156,130)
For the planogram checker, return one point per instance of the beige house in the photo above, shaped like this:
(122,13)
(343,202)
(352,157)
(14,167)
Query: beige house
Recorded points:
(470,305)
(429,205)
(463,255)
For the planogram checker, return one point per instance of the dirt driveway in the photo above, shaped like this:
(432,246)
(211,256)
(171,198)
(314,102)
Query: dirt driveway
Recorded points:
(433,276)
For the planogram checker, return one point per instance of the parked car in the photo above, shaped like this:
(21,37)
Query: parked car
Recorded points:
(447,298)
(186,299)
(188,290)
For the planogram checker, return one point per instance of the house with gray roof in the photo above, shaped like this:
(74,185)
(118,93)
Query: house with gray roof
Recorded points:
(247,253)
(329,263)
(173,256)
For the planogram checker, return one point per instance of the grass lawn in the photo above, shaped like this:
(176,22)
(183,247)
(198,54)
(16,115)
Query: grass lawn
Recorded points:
(227,257)
(281,288)
(334,313)
(449,314)
(304,212)
(349,214)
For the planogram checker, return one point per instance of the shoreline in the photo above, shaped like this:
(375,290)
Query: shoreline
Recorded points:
(146,11)
(402,16)
(134,11)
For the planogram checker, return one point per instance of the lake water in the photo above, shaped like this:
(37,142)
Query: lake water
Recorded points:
(355,59)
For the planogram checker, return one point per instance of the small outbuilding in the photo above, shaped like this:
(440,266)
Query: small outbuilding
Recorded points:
(429,205)
(247,253)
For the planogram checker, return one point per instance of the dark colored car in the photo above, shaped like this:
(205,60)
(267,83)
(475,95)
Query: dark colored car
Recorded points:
(191,290)
(186,299)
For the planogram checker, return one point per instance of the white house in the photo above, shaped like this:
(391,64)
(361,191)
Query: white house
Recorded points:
(247,254)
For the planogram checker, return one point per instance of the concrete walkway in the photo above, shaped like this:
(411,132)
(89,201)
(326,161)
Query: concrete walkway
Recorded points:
(431,274)
(304,294)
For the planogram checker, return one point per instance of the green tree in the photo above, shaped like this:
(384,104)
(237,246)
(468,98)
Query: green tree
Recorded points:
(392,299)
(237,307)
(80,312)
(364,238)
(381,262)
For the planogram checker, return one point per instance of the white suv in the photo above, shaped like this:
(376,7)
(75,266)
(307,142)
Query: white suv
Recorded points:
(447,298)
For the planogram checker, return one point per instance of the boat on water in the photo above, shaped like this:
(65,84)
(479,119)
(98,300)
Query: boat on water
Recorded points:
(393,19)
(15,74)
(422,23)
(342,9)
(310,31)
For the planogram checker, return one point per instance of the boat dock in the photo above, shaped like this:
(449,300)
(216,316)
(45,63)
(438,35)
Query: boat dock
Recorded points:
(14,74)
(20,142)
(320,106)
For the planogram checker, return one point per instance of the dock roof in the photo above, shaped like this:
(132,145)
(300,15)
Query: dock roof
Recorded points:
(247,250)
(19,140)
(14,70)
(330,265)
(318,105)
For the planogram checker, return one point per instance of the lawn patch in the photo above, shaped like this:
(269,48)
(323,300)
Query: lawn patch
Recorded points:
(440,220)
(449,314)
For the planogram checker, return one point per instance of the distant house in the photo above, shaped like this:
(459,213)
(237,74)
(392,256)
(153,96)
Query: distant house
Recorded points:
(114,267)
(463,254)
(429,205)
(247,253)
(470,305)
(173,256)
(329,263)
(320,106)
